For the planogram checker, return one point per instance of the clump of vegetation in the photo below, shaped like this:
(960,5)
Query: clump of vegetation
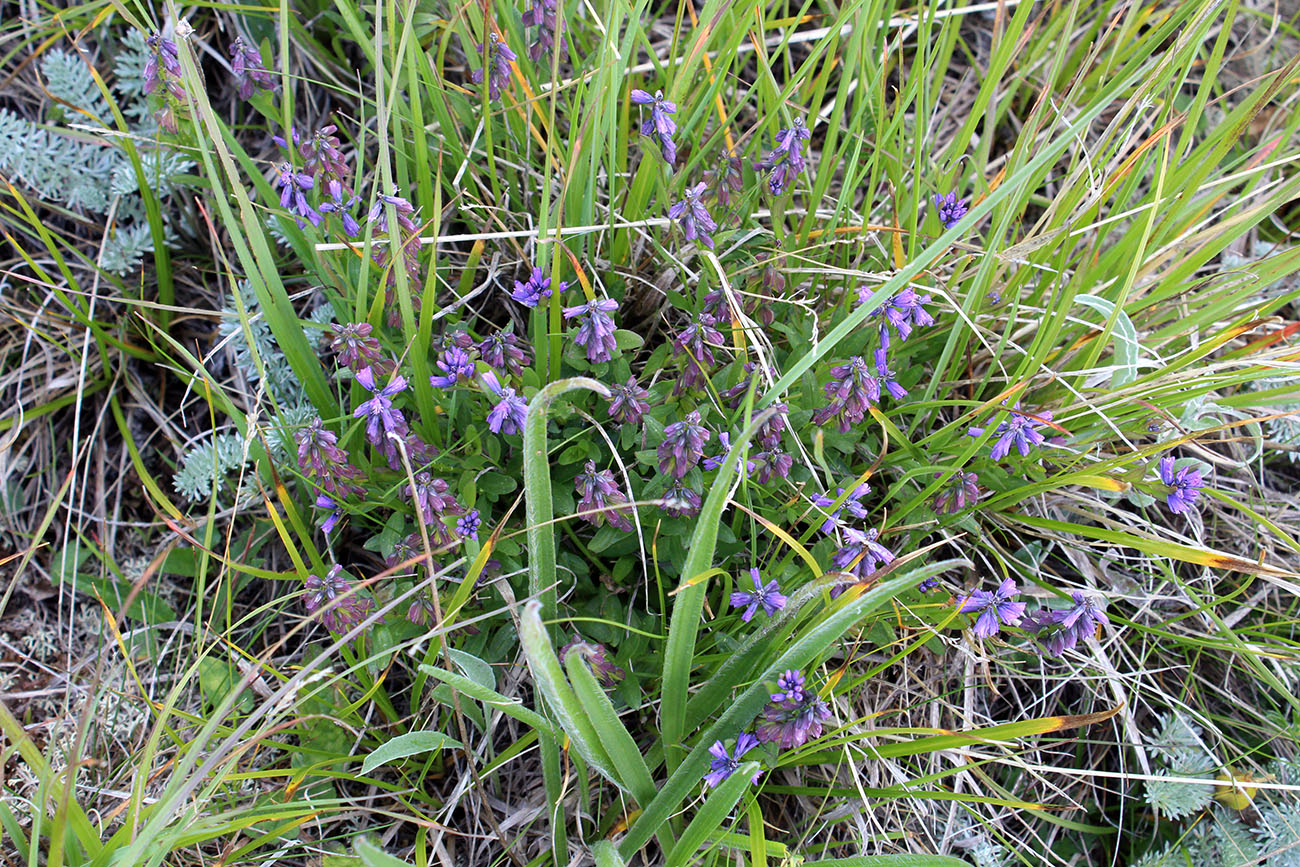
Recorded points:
(664,435)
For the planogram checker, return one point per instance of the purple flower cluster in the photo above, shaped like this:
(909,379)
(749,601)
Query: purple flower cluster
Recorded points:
(683,445)
(595,328)
(510,411)
(535,289)
(766,596)
(696,343)
(1184,485)
(293,185)
(504,351)
(852,505)
(600,500)
(499,57)
(246,67)
(961,489)
(659,125)
(901,311)
(456,366)
(324,163)
(597,659)
(332,596)
(542,15)
(384,422)
(356,348)
(408,237)
(693,218)
(951,209)
(995,609)
(1061,629)
(852,390)
(1019,431)
(860,555)
(628,402)
(794,715)
(324,462)
(786,160)
(725,764)
(434,500)
(680,501)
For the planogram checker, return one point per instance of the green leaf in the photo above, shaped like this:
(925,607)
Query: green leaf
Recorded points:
(606,855)
(409,744)
(496,484)
(1127,349)
(715,810)
(511,707)
(628,339)
(372,856)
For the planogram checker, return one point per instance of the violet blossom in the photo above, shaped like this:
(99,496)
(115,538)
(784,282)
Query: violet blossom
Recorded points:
(715,461)
(456,366)
(903,311)
(995,609)
(292,184)
(499,57)
(332,596)
(1019,430)
(628,402)
(786,160)
(852,390)
(1184,485)
(246,66)
(725,764)
(693,217)
(1061,629)
(162,67)
(696,342)
(537,287)
(774,462)
(766,596)
(680,501)
(951,209)
(333,513)
(467,526)
(509,413)
(504,351)
(961,489)
(595,328)
(852,505)
(600,498)
(660,126)
(861,553)
(542,15)
(794,715)
(431,497)
(683,445)
(320,458)
(382,418)
(357,349)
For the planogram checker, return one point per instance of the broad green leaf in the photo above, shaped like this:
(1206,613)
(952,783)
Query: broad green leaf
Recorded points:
(409,744)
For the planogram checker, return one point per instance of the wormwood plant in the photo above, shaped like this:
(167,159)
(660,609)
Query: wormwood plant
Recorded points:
(714,446)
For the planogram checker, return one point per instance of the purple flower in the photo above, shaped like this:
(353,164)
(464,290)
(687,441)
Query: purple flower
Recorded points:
(769,434)
(902,310)
(1060,629)
(505,351)
(659,125)
(381,417)
(927,585)
(162,67)
(431,496)
(456,366)
(320,457)
(961,489)
(861,554)
(467,526)
(1018,430)
(724,765)
(334,514)
(1184,485)
(351,227)
(322,157)
(768,596)
(886,375)
(600,499)
(852,389)
(771,463)
(794,718)
(246,65)
(696,342)
(693,217)
(727,177)
(712,463)
(409,239)
(421,611)
(292,198)
(683,446)
(951,209)
(852,505)
(541,14)
(537,287)
(680,501)
(499,57)
(357,349)
(786,160)
(339,607)
(510,412)
(790,686)
(628,402)
(995,609)
(596,328)
(595,655)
